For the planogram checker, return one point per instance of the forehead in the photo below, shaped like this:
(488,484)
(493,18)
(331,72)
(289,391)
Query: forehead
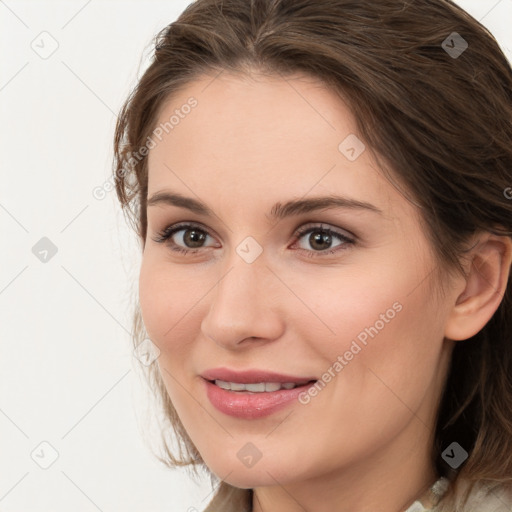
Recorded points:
(249,137)
(252,117)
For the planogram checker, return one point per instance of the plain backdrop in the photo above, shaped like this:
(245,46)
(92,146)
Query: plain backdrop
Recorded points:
(72,399)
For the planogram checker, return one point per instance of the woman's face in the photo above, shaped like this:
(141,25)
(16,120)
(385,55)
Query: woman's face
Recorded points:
(341,294)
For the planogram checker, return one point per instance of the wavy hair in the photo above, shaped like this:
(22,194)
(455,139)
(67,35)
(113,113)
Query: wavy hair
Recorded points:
(439,123)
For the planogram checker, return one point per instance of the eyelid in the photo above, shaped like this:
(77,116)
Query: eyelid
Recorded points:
(171,229)
(346,239)
(311,226)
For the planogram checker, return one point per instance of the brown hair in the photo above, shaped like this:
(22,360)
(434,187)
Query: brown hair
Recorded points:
(440,122)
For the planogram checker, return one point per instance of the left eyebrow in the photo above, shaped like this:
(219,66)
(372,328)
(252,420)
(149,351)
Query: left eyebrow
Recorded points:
(300,206)
(278,211)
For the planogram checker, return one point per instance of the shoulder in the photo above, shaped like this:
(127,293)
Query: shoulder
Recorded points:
(495,497)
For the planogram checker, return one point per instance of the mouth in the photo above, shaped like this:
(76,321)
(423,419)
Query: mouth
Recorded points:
(254,400)
(259,387)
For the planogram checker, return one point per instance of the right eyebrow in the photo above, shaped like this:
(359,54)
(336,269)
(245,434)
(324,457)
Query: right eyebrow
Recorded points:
(174,199)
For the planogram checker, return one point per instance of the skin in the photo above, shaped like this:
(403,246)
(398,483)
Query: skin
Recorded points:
(363,443)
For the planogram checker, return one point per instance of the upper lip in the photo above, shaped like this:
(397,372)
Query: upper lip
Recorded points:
(252,376)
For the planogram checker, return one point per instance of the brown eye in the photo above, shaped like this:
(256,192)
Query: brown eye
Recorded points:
(322,240)
(193,238)
(184,237)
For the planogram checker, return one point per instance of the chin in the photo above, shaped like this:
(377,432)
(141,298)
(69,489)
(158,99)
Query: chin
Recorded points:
(260,475)
(245,479)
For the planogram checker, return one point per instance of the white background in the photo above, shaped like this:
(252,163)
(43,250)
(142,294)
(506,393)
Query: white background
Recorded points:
(68,376)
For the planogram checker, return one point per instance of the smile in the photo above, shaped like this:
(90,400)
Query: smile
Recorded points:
(258,387)
(253,400)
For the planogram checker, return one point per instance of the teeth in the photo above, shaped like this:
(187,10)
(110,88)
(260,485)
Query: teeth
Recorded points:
(258,387)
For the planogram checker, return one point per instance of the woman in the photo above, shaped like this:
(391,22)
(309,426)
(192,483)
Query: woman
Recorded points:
(322,195)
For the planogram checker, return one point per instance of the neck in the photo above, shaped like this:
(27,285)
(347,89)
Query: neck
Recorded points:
(381,482)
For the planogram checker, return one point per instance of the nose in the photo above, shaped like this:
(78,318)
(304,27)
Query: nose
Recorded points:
(244,306)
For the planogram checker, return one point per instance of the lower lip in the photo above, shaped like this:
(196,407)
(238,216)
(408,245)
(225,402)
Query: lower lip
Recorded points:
(249,405)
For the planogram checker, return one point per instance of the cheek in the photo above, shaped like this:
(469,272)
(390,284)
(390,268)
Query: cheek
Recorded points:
(154,298)
(166,296)
(385,328)
(391,357)
(347,307)
(169,306)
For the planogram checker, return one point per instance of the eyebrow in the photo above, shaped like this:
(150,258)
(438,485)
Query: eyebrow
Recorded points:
(278,211)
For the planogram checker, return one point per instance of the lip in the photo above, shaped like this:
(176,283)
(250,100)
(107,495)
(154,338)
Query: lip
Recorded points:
(253,376)
(249,405)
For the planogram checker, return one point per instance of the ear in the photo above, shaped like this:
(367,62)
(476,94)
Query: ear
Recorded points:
(485,283)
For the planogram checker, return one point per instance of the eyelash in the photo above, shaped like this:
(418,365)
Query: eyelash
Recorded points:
(166,234)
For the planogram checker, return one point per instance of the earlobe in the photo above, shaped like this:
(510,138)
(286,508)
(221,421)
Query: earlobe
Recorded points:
(485,285)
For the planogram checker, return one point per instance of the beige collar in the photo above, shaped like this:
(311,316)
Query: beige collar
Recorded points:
(431,497)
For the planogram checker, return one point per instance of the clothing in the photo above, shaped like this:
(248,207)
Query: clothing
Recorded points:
(483,498)
(230,499)
(431,497)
